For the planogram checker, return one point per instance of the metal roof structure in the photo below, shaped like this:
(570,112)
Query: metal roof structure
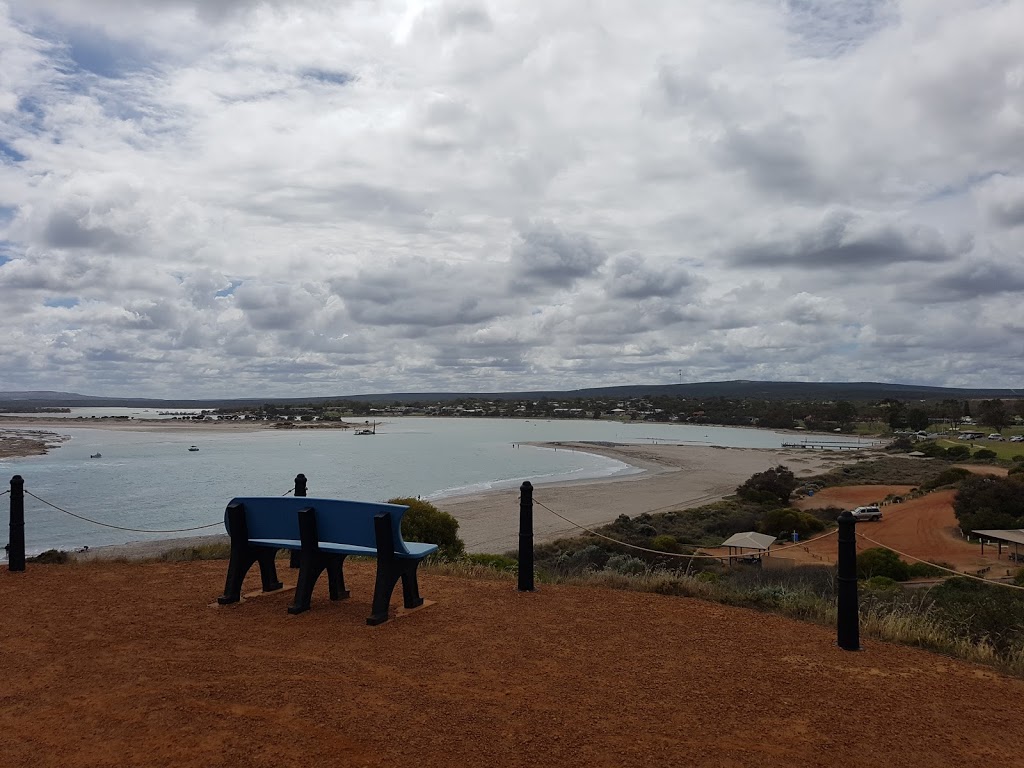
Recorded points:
(1011,535)
(751,540)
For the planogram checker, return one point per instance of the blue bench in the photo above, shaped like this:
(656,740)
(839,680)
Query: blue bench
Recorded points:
(323,532)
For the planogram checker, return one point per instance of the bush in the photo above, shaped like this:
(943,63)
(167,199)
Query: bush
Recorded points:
(985,453)
(1018,577)
(51,557)
(882,583)
(426,523)
(665,543)
(498,562)
(958,452)
(1017,470)
(773,485)
(627,565)
(777,521)
(950,476)
(986,501)
(931,449)
(881,562)
(923,571)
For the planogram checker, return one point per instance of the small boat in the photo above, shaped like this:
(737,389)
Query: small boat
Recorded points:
(193,448)
(95,455)
(372,431)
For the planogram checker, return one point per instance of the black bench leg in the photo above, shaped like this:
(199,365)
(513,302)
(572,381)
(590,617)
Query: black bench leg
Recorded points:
(242,559)
(410,586)
(387,577)
(336,577)
(268,569)
(243,555)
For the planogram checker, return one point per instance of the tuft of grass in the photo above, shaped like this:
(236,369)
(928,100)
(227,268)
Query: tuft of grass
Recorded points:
(219,551)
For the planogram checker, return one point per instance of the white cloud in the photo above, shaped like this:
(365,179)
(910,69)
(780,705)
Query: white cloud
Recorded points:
(225,198)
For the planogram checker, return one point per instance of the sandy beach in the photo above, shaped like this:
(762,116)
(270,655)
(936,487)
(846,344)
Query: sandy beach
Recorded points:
(674,477)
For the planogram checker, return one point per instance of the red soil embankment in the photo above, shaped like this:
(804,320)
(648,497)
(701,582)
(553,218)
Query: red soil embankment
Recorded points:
(113,664)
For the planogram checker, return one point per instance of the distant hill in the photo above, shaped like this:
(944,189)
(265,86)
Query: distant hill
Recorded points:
(760,390)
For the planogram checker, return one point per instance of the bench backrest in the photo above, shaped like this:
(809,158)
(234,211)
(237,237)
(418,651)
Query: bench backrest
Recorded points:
(337,521)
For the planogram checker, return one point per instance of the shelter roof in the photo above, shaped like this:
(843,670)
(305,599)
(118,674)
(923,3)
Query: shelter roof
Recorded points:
(749,540)
(1013,535)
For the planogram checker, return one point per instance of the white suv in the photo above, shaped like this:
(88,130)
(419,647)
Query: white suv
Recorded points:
(867,513)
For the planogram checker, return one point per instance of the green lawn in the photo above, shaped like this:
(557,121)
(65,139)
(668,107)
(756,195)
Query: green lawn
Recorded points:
(1004,450)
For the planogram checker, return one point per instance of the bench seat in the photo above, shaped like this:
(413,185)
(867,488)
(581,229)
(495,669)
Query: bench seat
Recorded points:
(323,532)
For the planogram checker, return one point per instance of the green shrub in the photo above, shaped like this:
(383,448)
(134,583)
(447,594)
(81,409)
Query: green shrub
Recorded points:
(426,523)
(958,452)
(665,543)
(1016,470)
(219,551)
(985,453)
(931,449)
(923,571)
(1018,577)
(878,561)
(949,476)
(777,521)
(51,557)
(627,565)
(881,583)
(774,485)
(498,562)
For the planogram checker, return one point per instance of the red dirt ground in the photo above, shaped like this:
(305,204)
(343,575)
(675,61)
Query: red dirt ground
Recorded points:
(115,664)
(924,527)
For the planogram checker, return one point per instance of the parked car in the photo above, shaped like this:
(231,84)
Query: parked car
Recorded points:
(867,513)
(995,436)
(1017,439)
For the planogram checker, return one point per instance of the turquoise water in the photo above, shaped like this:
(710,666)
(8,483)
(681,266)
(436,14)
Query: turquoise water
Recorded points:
(149,480)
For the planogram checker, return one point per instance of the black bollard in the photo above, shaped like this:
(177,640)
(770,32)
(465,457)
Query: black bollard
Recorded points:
(16,552)
(300,490)
(526,537)
(848,620)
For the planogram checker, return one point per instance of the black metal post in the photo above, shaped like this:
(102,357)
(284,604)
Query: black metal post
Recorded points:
(300,490)
(16,551)
(848,620)
(526,537)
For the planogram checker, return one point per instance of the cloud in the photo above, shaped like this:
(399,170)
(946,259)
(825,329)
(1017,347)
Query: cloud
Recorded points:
(286,198)
(545,256)
(631,278)
(1002,199)
(843,239)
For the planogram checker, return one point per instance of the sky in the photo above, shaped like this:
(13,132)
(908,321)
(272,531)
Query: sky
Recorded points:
(204,198)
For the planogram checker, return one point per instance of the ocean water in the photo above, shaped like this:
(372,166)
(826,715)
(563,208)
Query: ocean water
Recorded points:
(149,480)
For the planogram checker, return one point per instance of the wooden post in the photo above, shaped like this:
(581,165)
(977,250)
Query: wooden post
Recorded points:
(848,620)
(300,490)
(16,551)
(526,537)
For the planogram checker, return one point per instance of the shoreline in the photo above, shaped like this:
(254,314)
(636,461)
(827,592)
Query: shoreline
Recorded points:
(668,476)
(673,477)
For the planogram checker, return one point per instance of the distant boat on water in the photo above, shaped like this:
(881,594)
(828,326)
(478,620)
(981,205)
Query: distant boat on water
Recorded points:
(371,431)
(95,455)
(193,447)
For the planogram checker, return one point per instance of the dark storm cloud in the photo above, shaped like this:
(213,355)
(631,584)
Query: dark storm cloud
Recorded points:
(974,280)
(547,256)
(776,159)
(65,230)
(631,278)
(416,292)
(844,240)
